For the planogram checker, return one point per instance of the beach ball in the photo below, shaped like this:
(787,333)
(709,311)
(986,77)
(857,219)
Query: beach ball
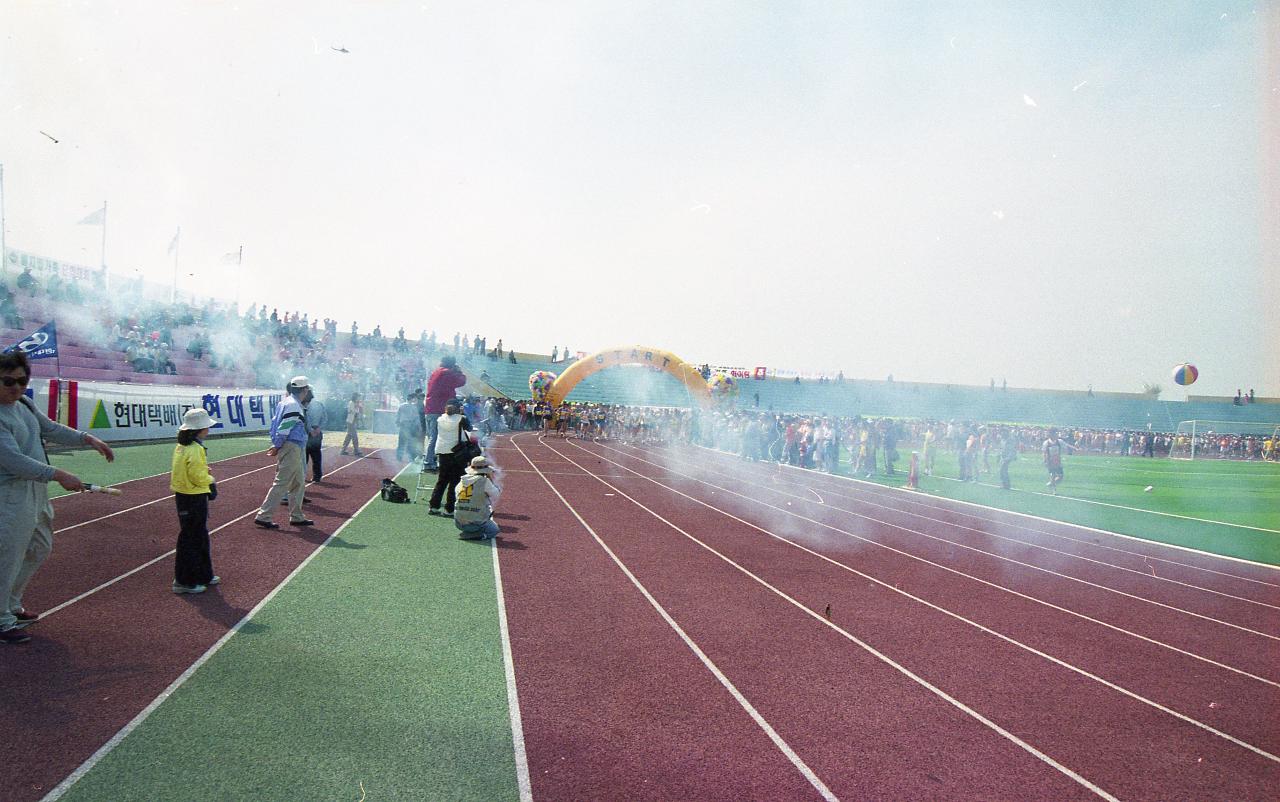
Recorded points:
(539,382)
(722,386)
(1185,374)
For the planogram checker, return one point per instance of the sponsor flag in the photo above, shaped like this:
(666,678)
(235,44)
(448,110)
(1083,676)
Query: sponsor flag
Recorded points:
(39,344)
(231,258)
(96,218)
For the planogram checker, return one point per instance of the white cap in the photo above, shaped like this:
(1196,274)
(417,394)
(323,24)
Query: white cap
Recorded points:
(298,382)
(195,420)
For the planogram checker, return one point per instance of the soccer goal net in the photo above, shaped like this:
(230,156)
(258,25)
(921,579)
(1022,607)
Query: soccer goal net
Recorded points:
(1216,439)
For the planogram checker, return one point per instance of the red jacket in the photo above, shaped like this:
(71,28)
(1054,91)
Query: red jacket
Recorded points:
(441,388)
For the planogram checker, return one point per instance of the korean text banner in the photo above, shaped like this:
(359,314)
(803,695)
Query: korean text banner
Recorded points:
(115,412)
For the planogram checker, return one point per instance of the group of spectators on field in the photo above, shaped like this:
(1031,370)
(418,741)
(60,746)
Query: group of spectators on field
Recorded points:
(806,440)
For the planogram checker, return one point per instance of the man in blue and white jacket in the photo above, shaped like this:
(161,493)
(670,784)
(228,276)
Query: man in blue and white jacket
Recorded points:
(288,446)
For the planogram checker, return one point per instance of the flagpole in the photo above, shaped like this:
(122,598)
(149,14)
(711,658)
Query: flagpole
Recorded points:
(4,254)
(177,243)
(106,277)
(239,271)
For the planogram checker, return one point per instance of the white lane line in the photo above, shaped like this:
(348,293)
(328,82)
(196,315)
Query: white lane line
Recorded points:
(1142,540)
(171,552)
(944,611)
(916,500)
(986,533)
(1032,566)
(137,720)
(513,697)
(165,473)
(768,729)
(1264,473)
(948,569)
(881,656)
(148,503)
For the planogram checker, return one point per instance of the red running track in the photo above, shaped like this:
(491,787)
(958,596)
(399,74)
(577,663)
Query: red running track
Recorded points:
(95,663)
(945,671)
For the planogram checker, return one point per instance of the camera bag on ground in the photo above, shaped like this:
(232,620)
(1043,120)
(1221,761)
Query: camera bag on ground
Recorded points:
(394,493)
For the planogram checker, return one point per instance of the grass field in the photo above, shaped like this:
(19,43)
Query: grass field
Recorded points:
(1225,507)
(377,670)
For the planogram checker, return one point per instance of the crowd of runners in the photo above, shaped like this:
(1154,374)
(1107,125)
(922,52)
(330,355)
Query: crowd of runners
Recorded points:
(859,446)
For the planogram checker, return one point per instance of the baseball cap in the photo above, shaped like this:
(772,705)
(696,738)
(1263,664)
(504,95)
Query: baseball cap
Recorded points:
(298,382)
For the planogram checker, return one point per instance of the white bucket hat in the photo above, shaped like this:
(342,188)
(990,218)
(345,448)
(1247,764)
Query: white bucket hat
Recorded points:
(195,420)
(480,465)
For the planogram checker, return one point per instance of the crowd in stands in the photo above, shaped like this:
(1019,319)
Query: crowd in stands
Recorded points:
(265,344)
(272,346)
(9,309)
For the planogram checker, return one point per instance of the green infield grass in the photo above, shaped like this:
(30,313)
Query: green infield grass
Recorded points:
(1226,507)
(375,673)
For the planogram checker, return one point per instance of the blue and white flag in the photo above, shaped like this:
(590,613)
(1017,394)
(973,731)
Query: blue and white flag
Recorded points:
(98,218)
(39,344)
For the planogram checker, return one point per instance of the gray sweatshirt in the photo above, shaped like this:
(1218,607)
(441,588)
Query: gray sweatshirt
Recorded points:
(477,494)
(22,457)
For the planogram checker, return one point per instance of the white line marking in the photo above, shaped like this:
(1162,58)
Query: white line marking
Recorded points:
(154,475)
(170,553)
(706,661)
(513,698)
(942,610)
(920,501)
(1263,473)
(1134,509)
(149,503)
(1144,541)
(948,569)
(985,533)
(137,720)
(881,656)
(1033,567)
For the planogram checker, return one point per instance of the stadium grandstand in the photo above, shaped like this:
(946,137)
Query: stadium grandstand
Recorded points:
(255,350)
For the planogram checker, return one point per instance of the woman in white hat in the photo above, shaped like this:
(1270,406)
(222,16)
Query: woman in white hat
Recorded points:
(193,488)
(477,494)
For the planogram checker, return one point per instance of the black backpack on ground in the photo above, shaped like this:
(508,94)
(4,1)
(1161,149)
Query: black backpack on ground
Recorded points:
(394,493)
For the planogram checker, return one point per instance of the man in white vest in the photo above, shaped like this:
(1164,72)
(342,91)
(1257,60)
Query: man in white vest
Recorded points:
(477,494)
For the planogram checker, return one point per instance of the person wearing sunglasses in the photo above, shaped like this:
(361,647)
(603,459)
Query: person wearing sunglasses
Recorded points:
(26,517)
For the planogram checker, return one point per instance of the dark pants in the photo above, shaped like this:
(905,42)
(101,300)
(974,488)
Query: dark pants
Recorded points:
(447,479)
(192,564)
(1004,473)
(316,458)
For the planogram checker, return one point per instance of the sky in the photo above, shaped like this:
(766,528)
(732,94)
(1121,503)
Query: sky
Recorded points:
(1055,194)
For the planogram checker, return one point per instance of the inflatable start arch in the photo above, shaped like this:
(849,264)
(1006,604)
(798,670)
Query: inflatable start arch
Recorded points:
(629,355)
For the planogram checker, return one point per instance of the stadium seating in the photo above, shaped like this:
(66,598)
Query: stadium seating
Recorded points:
(85,358)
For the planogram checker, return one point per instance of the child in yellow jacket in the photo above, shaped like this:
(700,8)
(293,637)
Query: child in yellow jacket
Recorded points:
(193,488)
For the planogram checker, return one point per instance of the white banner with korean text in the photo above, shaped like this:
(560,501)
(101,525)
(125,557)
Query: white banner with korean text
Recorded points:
(116,412)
